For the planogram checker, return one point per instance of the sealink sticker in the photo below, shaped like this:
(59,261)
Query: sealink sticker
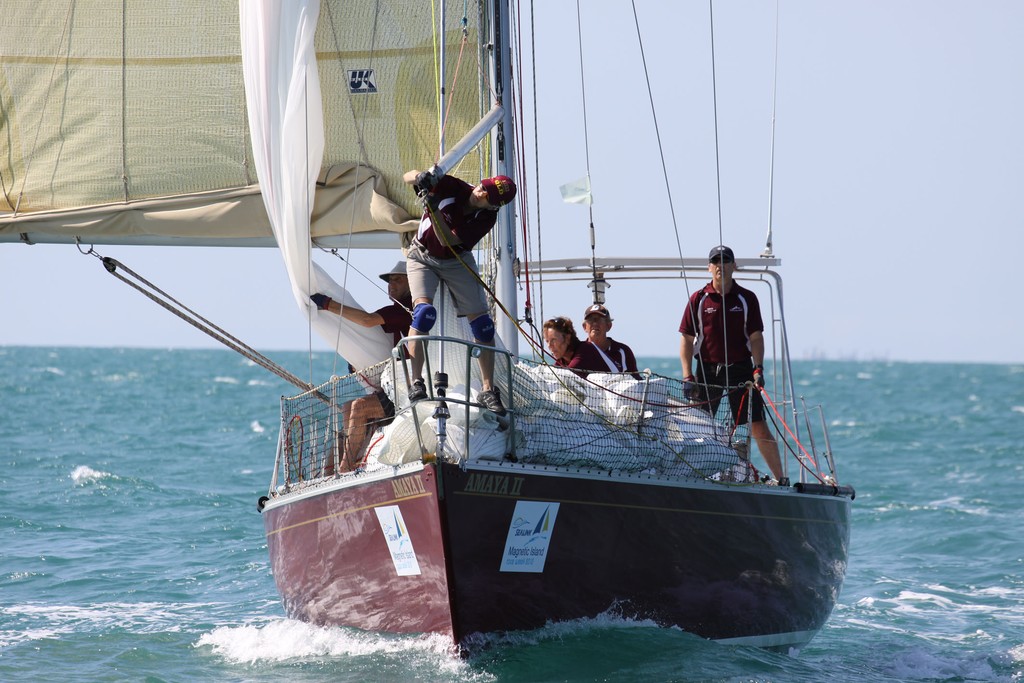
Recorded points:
(529,535)
(399,542)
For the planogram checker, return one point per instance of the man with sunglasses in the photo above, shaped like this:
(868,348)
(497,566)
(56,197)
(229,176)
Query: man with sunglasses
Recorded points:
(722,329)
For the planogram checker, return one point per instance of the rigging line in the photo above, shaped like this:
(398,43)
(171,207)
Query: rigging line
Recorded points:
(536,155)
(518,137)
(46,101)
(714,104)
(771,161)
(363,156)
(718,176)
(815,471)
(437,60)
(586,145)
(124,98)
(188,315)
(455,77)
(360,120)
(334,252)
(657,133)
(305,195)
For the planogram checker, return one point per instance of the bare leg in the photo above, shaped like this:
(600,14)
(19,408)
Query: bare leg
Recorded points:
(486,365)
(768,446)
(417,350)
(361,415)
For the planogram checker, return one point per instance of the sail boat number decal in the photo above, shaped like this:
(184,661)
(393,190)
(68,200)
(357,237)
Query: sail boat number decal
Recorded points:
(529,534)
(361,81)
(396,533)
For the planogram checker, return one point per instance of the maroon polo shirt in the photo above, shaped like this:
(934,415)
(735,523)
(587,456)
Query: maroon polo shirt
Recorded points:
(587,358)
(452,196)
(397,319)
(715,341)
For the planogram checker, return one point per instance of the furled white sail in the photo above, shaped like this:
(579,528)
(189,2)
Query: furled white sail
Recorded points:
(282,88)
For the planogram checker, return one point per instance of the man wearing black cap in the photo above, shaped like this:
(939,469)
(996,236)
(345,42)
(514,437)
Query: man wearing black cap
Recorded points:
(611,356)
(366,413)
(722,329)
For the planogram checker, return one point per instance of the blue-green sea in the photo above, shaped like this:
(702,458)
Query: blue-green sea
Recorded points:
(131,548)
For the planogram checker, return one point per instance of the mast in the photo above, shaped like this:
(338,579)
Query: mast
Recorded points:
(503,163)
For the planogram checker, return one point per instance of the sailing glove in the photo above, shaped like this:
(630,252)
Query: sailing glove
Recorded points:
(425,182)
(759,375)
(322,301)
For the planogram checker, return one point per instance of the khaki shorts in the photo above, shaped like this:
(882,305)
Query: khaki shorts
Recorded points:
(426,272)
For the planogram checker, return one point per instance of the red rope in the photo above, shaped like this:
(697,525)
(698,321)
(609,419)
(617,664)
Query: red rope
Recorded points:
(816,470)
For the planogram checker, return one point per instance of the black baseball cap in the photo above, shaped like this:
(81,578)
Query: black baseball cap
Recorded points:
(721,253)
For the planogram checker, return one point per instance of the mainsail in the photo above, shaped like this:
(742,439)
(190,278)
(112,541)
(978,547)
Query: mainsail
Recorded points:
(129,123)
(126,122)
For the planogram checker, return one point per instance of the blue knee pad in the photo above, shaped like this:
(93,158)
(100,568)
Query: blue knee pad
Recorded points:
(483,328)
(423,317)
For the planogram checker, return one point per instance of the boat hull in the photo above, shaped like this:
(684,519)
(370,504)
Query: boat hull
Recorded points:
(748,564)
(503,548)
(336,553)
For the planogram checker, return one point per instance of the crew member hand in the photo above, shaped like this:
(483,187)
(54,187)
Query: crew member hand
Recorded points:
(322,301)
(689,389)
(425,182)
(759,376)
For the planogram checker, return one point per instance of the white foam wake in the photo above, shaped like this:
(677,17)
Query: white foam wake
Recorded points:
(289,639)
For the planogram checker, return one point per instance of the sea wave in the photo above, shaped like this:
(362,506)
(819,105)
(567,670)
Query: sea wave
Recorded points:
(38,621)
(83,474)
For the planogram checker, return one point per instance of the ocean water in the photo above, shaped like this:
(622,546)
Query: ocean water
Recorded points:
(131,548)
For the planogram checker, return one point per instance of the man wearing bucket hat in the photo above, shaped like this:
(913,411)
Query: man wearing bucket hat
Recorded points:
(722,329)
(364,414)
(458,215)
(394,318)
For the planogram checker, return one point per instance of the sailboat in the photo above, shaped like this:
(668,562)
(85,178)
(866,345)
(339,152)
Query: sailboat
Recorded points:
(603,494)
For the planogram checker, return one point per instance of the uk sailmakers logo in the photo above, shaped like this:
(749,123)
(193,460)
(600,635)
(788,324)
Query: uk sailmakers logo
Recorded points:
(361,81)
(399,542)
(529,535)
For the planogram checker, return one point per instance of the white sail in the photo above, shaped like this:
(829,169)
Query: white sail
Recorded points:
(282,87)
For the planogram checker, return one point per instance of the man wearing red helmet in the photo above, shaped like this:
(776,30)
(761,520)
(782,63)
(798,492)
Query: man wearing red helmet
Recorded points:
(458,216)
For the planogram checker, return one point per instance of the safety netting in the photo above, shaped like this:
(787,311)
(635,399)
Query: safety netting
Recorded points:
(555,418)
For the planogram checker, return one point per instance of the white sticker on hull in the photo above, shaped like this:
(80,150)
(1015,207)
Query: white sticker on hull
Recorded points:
(529,534)
(399,542)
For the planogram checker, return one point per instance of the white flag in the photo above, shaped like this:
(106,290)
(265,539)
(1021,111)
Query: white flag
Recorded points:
(577,192)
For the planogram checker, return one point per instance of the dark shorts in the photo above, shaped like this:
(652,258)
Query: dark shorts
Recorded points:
(426,272)
(715,379)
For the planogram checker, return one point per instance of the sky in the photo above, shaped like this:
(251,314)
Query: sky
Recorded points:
(896,190)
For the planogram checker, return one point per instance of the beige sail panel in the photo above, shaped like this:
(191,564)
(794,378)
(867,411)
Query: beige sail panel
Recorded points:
(130,118)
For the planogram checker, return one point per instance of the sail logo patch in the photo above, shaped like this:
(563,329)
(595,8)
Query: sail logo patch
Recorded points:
(529,535)
(361,81)
(396,533)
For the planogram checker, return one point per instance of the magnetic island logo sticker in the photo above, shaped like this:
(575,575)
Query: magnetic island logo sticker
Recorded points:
(529,534)
(396,533)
